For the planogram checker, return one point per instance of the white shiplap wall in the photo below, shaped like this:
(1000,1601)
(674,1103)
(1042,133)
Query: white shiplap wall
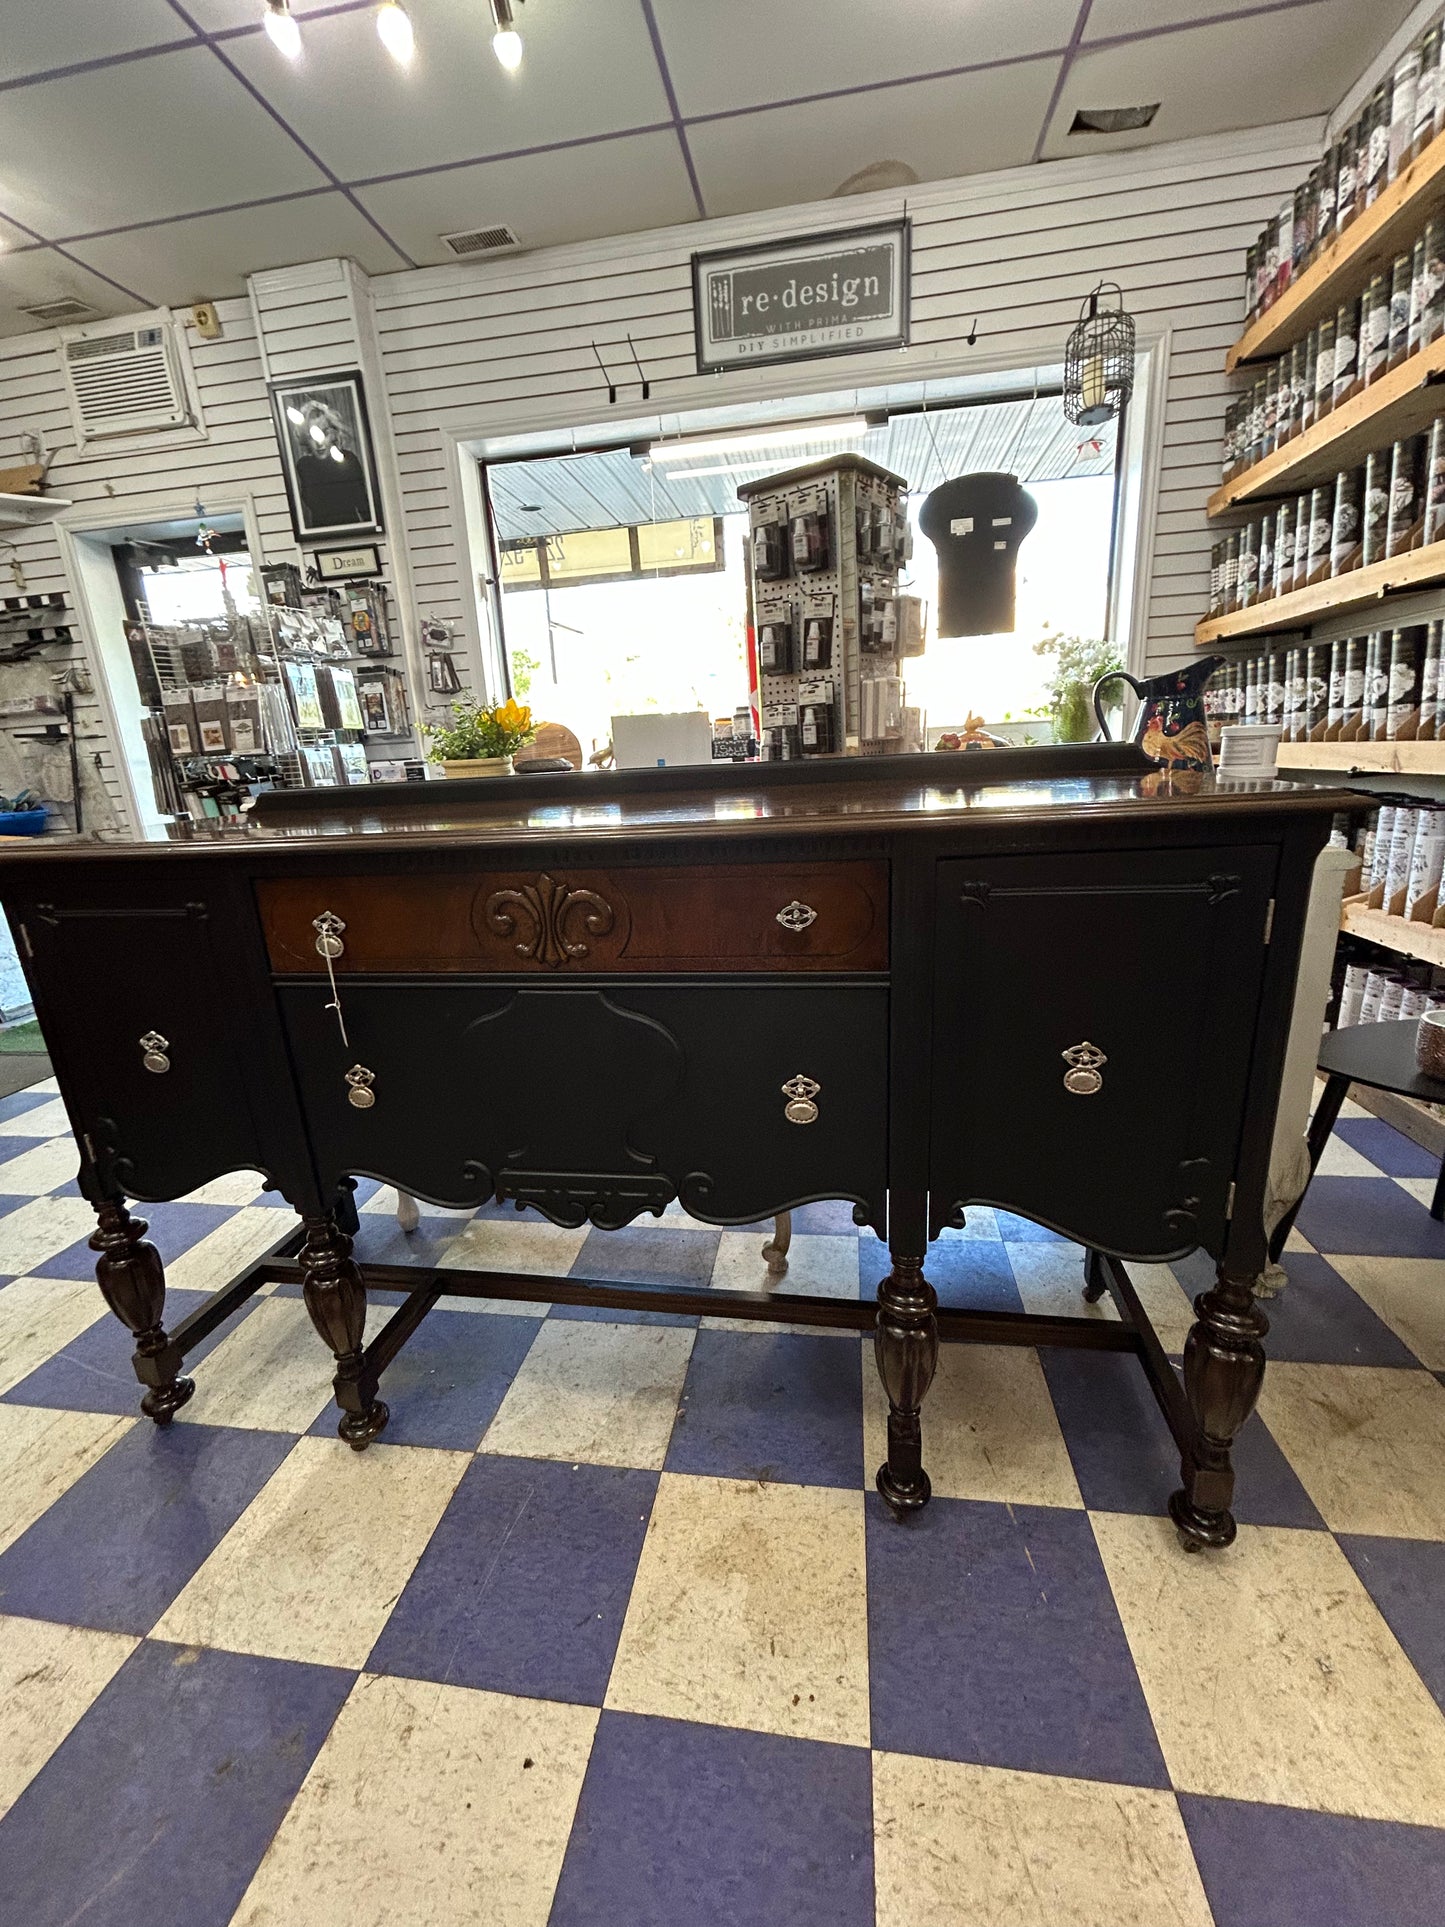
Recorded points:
(506,346)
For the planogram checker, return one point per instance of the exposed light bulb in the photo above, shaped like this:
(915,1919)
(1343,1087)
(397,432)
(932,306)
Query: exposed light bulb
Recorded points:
(293,414)
(393,25)
(507,46)
(284,33)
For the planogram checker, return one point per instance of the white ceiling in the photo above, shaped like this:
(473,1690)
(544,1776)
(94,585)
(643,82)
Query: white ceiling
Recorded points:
(155,151)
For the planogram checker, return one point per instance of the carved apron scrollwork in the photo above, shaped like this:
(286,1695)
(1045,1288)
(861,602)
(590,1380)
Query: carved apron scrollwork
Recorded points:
(548,919)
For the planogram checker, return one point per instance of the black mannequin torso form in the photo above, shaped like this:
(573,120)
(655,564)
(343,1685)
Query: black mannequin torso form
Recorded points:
(976,523)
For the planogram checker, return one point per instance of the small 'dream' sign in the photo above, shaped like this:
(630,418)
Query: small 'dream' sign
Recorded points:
(833,294)
(348,565)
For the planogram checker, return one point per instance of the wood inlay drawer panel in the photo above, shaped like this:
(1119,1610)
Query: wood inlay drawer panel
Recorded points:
(734,917)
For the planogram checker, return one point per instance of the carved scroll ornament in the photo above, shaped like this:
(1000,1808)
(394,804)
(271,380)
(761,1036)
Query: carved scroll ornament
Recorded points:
(548,919)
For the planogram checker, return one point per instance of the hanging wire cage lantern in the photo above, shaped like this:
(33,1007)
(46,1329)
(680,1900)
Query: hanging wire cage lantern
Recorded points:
(1099,359)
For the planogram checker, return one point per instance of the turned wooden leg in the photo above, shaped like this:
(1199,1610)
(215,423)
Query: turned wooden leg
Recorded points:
(133,1283)
(1223,1370)
(336,1299)
(776,1249)
(906,1344)
(1095,1283)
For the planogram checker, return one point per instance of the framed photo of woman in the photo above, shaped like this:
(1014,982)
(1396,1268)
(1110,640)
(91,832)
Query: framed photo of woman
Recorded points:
(326,453)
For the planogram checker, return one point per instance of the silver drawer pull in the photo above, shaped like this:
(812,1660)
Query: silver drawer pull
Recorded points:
(797,916)
(328,927)
(155,1048)
(359,1082)
(800,1092)
(1086,1061)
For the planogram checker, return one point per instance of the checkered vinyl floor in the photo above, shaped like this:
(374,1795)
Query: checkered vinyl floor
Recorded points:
(611,1629)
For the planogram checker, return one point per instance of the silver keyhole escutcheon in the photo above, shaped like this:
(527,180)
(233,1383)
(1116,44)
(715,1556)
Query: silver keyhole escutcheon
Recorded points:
(1085,1061)
(154,1050)
(797,916)
(359,1081)
(328,927)
(800,1092)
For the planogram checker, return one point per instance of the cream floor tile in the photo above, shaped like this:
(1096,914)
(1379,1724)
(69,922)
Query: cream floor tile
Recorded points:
(1368,1443)
(1168,1304)
(957,1844)
(41,1120)
(1297,1241)
(417,1810)
(741,1327)
(1341,1160)
(42,1454)
(749,1609)
(594,1392)
(499,1244)
(315,1563)
(271,1374)
(822,1266)
(48,1085)
(41,1227)
(981,1221)
(1050,1278)
(236,1187)
(38,1316)
(1271,1676)
(503,1307)
(50,1676)
(40,1169)
(1408,1293)
(1422,1190)
(989,1430)
(215,1259)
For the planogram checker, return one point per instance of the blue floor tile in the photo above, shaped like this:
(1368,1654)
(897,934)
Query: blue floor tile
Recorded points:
(156,1809)
(994,1638)
(610,1315)
(648,1255)
(93,1373)
(697,1826)
(13,1147)
(115,1549)
(444,1387)
(19,1102)
(1124,1455)
(524,1584)
(832,1217)
(1023,1231)
(1394,1153)
(1266,1866)
(772,1406)
(969,1274)
(174,1228)
(1369,1217)
(1406,1580)
(381,1240)
(1317,1319)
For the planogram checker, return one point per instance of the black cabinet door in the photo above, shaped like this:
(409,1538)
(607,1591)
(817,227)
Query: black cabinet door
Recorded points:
(603,1101)
(115,961)
(1152,958)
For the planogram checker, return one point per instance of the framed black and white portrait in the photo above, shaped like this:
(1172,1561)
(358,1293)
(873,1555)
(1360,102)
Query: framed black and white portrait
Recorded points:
(326,452)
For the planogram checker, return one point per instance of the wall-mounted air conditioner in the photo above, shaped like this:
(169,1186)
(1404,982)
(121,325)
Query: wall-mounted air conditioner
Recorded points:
(124,380)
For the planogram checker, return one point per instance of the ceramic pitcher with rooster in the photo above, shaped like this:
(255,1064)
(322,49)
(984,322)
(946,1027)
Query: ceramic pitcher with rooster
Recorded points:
(1171,726)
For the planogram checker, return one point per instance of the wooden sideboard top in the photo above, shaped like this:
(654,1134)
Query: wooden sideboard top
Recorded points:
(859,797)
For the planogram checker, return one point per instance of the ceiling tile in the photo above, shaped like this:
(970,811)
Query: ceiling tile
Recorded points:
(1253,72)
(586,70)
(1108,18)
(211,255)
(40,34)
(748,52)
(155,137)
(614,187)
(939,128)
(43,275)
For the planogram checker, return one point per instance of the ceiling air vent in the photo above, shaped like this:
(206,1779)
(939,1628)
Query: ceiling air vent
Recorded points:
(124,380)
(482,240)
(56,313)
(1112,120)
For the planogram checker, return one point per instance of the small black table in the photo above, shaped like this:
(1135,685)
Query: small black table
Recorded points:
(1382,1056)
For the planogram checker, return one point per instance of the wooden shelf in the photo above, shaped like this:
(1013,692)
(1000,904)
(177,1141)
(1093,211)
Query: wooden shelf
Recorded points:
(1419,940)
(1373,240)
(1398,404)
(1343,592)
(1396,759)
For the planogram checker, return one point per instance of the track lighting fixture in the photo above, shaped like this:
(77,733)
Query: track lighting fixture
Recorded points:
(506,41)
(284,33)
(393,25)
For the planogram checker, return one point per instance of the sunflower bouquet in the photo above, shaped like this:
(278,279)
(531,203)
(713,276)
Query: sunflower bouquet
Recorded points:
(476,732)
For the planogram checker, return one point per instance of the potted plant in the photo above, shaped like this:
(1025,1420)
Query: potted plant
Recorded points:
(480,741)
(1079,661)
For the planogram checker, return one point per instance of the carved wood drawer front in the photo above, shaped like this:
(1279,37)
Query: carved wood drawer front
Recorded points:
(562,921)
